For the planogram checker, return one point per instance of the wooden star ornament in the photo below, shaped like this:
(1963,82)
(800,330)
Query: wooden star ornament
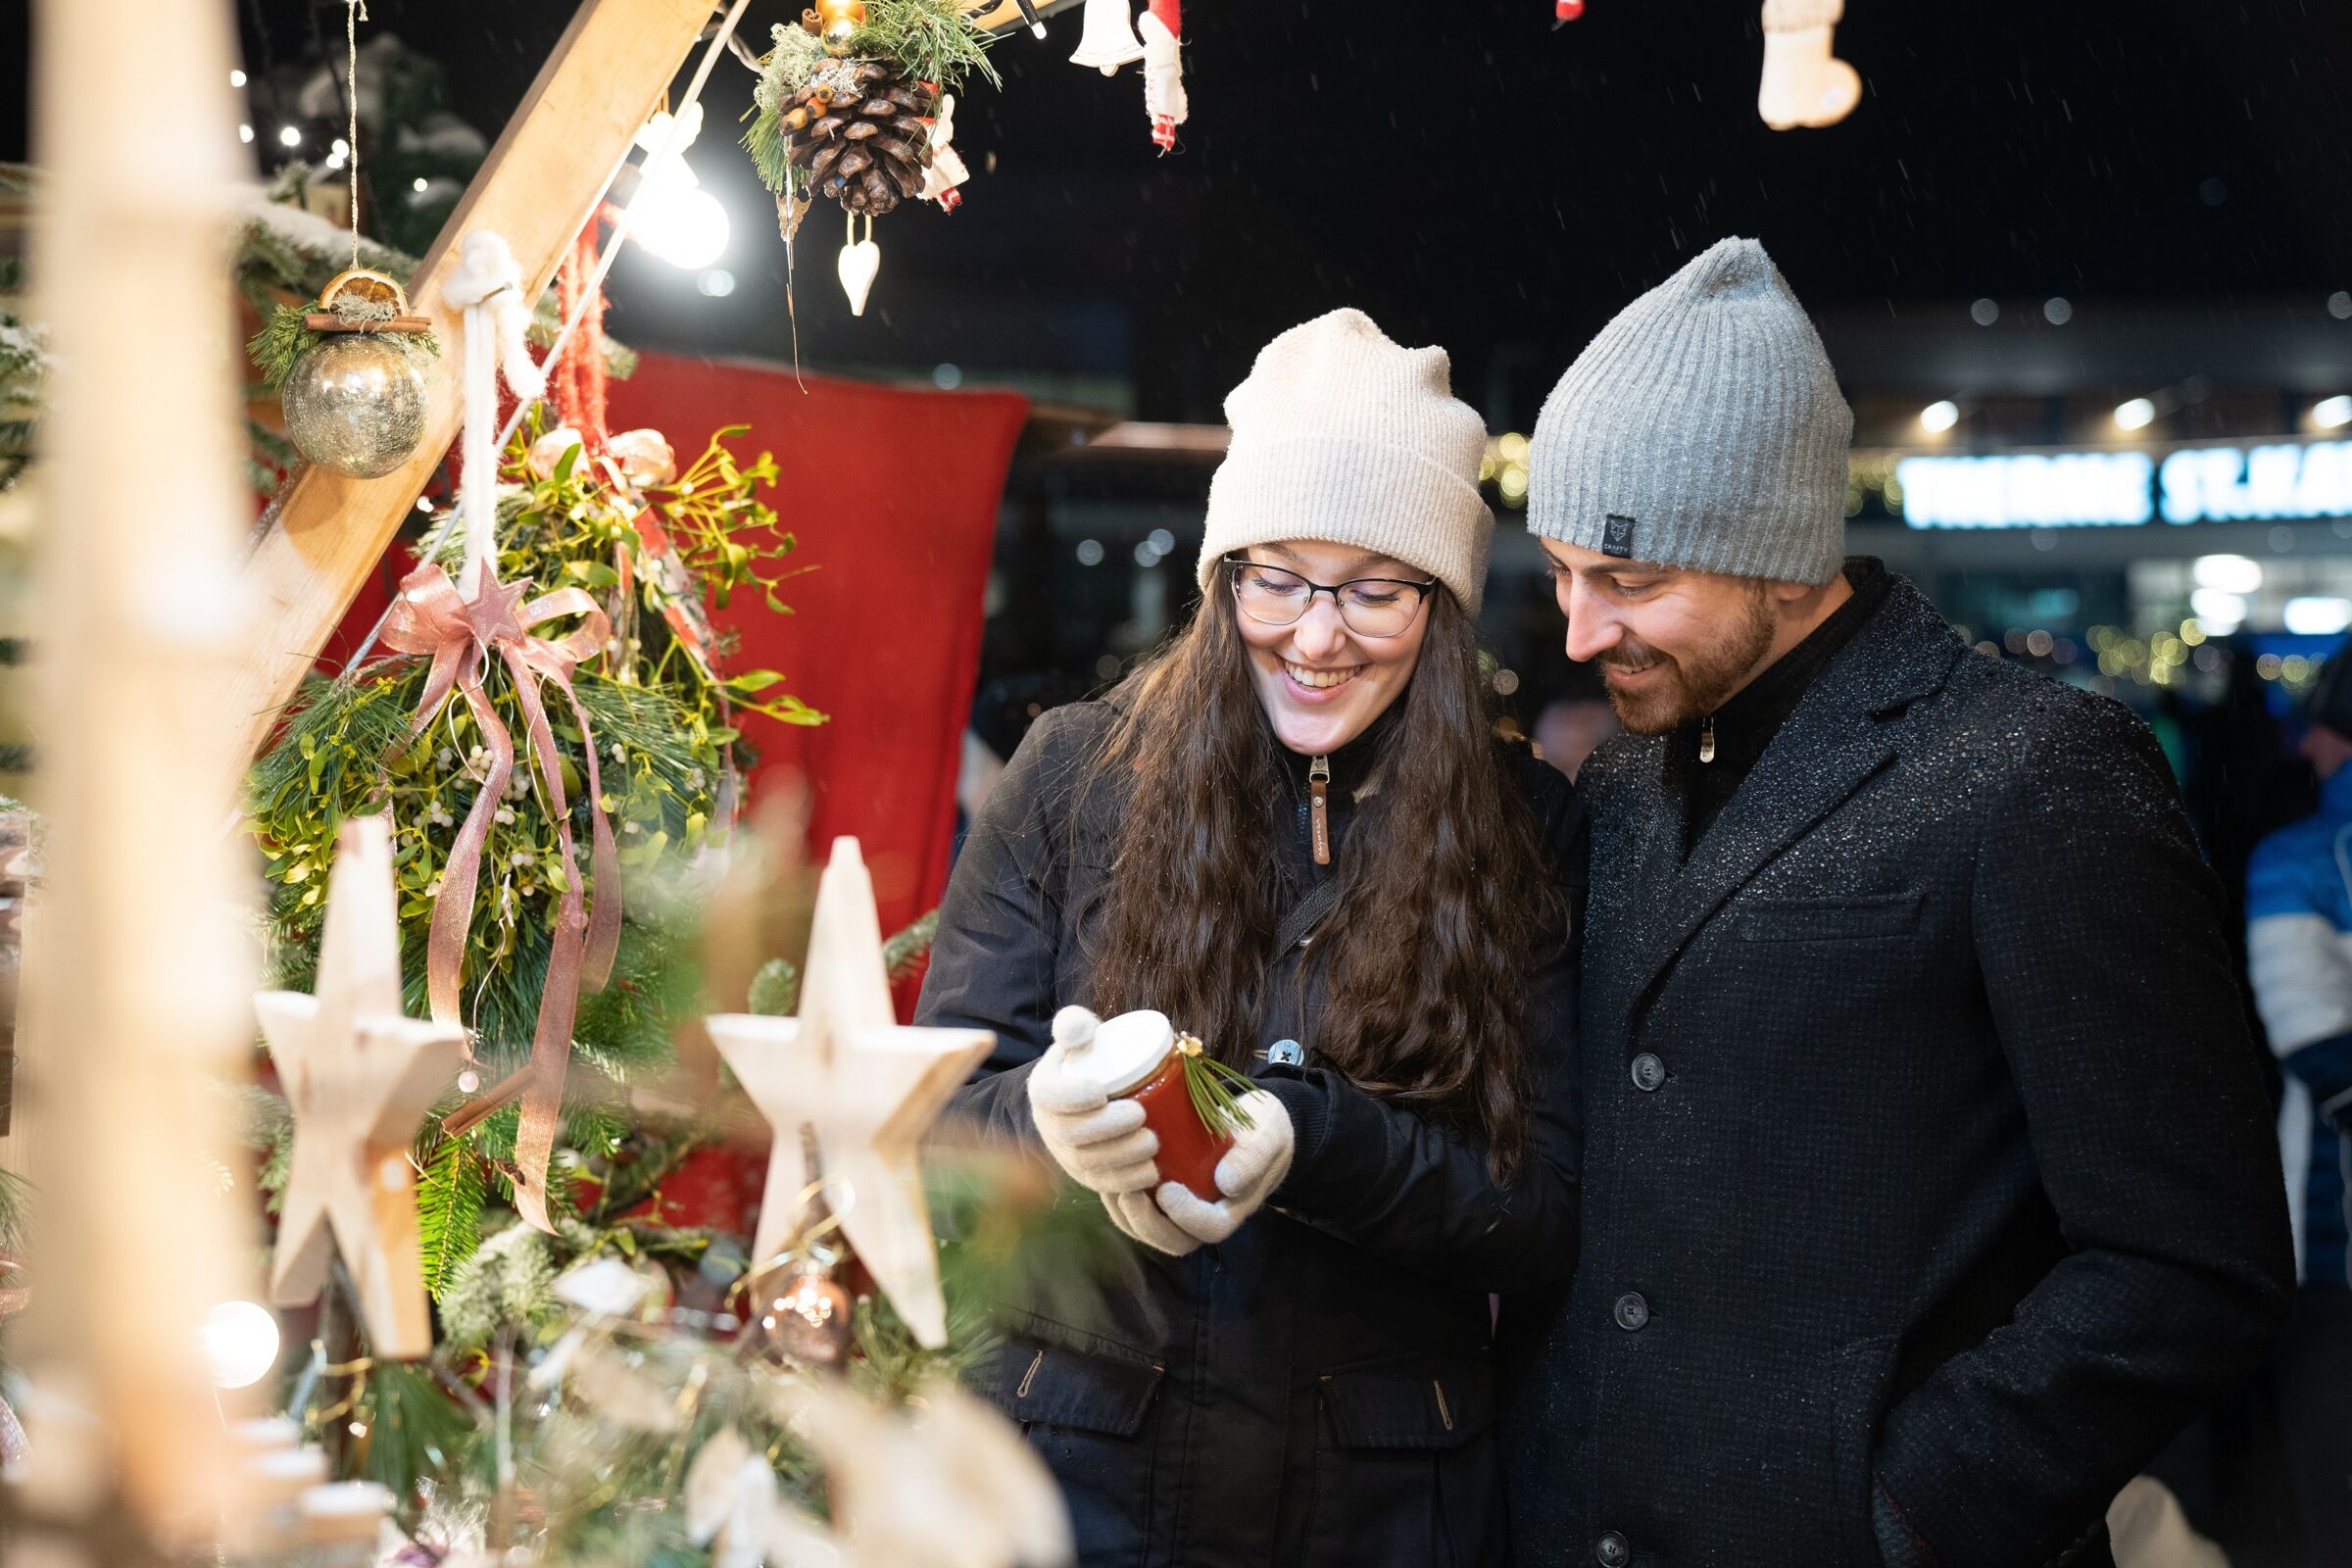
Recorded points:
(867,1085)
(359,1078)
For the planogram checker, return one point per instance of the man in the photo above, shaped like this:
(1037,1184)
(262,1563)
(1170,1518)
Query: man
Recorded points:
(1928,1185)
(2299,955)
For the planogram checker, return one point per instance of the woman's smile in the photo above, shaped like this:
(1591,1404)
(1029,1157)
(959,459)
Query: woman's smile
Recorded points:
(1318,685)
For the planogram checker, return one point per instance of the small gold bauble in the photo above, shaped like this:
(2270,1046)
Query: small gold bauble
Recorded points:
(809,1319)
(356,404)
(839,21)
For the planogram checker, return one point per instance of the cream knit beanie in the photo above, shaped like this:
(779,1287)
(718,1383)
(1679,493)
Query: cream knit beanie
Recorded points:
(1341,435)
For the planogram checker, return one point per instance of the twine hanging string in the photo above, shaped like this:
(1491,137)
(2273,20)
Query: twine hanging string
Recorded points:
(719,40)
(354,13)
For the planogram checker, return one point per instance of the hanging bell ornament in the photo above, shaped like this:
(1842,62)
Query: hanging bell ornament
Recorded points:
(809,1318)
(355,402)
(838,20)
(1108,41)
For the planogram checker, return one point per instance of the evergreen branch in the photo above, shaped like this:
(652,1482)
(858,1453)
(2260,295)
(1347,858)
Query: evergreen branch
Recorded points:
(16,1210)
(415,1431)
(449,1213)
(766,141)
(933,39)
(776,988)
(282,340)
(904,951)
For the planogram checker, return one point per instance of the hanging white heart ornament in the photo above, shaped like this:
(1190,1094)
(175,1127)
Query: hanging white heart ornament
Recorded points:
(857,263)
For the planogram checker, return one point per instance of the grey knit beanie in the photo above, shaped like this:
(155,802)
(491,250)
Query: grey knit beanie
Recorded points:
(1340,434)
(1704,427)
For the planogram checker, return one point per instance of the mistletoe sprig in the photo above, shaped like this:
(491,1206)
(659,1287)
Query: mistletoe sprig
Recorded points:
(569,528)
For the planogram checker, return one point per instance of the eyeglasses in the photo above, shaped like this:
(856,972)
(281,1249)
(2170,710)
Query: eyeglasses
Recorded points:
(1371,606)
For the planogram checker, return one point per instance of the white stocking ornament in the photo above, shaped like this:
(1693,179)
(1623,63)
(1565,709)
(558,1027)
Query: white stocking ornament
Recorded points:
(945,171)
(1804,83)
(1163,79)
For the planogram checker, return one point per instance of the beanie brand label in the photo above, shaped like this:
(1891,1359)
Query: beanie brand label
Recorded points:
(1617,537)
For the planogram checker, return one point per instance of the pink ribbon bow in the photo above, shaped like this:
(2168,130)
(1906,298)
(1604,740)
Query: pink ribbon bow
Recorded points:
(431,618)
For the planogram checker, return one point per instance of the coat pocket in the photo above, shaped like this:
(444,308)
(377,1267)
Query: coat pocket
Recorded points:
(1862,1371)
(1093,1391)
(1836,919)
(1418,1401)
(1086,1414)
(1407,1467)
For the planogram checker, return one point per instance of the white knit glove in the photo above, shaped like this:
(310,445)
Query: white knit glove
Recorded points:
(1138,1219)
(1255,1164)
(1101,1143)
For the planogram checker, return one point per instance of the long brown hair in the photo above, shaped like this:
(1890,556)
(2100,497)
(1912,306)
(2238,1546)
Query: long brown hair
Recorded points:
(1442,893)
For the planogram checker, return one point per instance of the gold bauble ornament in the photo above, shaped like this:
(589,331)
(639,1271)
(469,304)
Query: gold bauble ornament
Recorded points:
(806,1317)
(356,401)
(838,21)
(356,404)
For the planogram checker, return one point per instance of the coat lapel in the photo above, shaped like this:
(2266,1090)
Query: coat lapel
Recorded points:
(1838,737)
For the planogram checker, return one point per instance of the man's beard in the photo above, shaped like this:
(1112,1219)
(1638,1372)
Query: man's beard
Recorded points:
(1696,684)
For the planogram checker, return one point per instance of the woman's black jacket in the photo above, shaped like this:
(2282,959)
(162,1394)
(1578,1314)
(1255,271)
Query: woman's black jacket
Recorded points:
(1317,1389)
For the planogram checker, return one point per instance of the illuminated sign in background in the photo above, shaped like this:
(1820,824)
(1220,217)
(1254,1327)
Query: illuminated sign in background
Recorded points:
(2093,489)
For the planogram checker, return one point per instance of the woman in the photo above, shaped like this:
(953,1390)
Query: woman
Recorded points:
(1312,758)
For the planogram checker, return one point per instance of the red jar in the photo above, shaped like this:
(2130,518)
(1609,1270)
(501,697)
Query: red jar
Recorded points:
(1135,1056)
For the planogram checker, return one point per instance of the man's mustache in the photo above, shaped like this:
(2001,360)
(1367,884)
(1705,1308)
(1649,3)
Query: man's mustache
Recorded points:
(1632,660)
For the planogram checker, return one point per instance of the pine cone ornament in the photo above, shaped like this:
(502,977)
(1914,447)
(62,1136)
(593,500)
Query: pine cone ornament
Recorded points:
(862,130)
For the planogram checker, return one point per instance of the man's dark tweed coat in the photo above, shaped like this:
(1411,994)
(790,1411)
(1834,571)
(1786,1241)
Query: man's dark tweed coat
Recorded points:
(1924,1140)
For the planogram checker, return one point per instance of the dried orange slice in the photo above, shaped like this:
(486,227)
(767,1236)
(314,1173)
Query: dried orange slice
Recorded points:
(366,283)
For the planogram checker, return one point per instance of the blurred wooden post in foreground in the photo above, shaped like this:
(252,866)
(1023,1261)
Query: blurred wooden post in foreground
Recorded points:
(138,985)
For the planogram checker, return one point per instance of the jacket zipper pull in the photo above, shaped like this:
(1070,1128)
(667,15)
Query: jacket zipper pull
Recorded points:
(1706,739)
(1318,811)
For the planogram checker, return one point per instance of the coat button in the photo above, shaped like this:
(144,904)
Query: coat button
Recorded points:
(1649,1074)
(1633,1312)
(1612,1551)
(1286,1053)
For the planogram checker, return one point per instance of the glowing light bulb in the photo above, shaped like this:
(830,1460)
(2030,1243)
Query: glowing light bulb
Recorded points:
(241,1340)
(1937,417)
(2136,414)
(678,219)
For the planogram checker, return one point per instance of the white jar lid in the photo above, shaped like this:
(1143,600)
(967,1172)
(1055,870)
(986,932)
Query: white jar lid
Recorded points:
(1125,1051)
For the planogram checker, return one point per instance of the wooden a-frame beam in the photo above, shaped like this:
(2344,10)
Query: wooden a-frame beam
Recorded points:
(326,531)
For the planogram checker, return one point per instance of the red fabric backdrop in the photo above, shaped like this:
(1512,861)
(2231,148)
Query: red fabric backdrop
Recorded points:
(892,493)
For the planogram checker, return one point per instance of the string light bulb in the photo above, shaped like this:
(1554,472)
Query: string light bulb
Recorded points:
(672,214)
(241,1341)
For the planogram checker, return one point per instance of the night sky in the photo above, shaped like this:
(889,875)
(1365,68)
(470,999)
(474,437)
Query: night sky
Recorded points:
(1472,177)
